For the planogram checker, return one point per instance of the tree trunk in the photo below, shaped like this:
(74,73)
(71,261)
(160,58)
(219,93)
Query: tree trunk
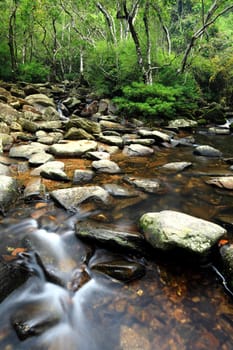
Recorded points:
(12,40)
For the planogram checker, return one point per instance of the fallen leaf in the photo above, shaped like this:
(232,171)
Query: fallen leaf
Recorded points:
(16,251)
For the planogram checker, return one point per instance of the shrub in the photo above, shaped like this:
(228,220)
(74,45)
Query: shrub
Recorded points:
(33,72)
(157,100)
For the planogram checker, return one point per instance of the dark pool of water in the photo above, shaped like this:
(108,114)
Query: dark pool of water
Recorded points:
(176,305)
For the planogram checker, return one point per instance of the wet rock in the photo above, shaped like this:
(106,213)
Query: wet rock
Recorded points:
(182,123)
(53,170)
(117,268)
(12,276)
(219,131)
(38,159)
(8,192)
(26,151)
(137,150)
(91,127)
(222,182)
(109,236)
(111,140)
(120,191)
(72,198)
(4,170)
(147,185)
(157,135)
(97,155)
(207,151)
(169,229)
(106,166)
(176,166)
(73,148)
(226,252)
(79,277)
(77,134)
(34,190)
(83,176)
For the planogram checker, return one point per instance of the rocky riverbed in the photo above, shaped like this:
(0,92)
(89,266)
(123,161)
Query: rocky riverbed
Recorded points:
(107,177)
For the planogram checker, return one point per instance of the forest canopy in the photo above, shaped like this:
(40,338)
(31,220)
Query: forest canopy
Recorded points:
(185,45)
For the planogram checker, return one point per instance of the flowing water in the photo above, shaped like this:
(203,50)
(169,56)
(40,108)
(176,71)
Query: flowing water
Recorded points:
(175,305)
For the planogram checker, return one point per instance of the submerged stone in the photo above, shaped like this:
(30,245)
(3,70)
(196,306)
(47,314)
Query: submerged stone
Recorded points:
(171,229)
(222,182)
(207,151)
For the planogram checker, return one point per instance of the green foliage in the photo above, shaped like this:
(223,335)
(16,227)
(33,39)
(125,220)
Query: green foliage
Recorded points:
(33,72)
(110,67)
(5,65)
(157,100)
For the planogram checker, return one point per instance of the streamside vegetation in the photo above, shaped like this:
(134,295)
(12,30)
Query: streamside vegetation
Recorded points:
(156,59)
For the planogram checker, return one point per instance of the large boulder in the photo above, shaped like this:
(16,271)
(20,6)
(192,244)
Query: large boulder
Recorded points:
(73,148)
(169,229)
(40,101)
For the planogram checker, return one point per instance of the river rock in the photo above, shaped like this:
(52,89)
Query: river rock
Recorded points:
(137,150)
(26,151)
(222,182)
(207,151)
(28,125)
(219,131)
(182,123)
(97,155)
(226,252)
(53,170)
(77,134)
(91,127)
(120,191)
(8,192)
(34,190)
(8,114)
(72,198)
(106,166)
(40,101)
(111,140)
(143,142)
(83,176)
(157,135)
(109,236)
(4,170)
(6,140)
(12,276)
(117,268)
(147,185)
(4,128)
(176,166)
(169,229)
(73,148)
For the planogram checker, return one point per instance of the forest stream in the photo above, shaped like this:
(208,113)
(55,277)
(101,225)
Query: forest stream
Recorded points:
(175,304)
